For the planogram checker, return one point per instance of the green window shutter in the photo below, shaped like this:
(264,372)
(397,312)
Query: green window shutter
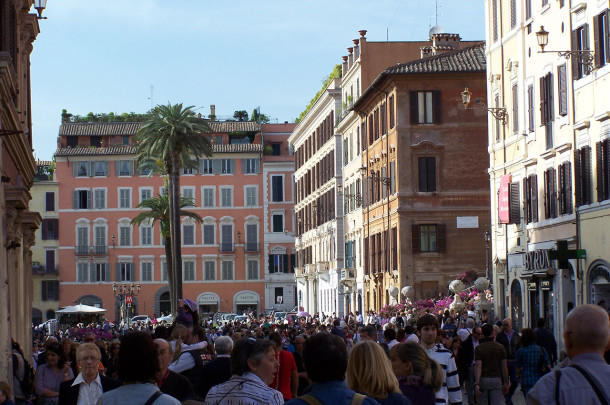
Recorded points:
(74,168)
(257,163)
(89,205)
(233,166)
(92,275)
(216,166)
(107,272)
(285,263)
(117,167)
(243,165)
(74,199)
(271,270)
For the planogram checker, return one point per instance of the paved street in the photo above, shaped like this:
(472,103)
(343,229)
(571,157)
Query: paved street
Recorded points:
(517,398)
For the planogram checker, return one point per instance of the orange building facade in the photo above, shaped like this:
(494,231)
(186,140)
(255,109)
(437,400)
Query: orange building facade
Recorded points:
(223,258)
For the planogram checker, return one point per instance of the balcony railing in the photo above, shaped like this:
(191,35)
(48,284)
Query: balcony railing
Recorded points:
(226,247)
(81,250)
(38,268)
(84,250)
(252,247)
(100,250)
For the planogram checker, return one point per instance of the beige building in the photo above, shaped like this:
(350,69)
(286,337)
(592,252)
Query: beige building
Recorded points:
(45,263)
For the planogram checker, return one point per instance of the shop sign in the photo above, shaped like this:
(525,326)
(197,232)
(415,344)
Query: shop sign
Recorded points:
(545,285)
(246,299)
(531,286)
(208,299)
(537,260)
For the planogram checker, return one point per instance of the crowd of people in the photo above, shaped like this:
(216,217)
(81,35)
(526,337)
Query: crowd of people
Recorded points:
(356,359)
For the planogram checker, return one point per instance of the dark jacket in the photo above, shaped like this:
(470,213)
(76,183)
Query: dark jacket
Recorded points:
(546,340)
(177,386)
(510,347)
(68,395)
(213,373)
(465,358)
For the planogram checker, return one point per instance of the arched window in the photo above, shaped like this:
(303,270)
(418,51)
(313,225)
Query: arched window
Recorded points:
(599,283)
(91,300)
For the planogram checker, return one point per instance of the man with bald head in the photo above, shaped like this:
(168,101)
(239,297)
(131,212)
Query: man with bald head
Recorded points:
(169,382)
(585,380)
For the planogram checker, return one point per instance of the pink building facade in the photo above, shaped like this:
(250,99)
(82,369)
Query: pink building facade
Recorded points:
(223,258)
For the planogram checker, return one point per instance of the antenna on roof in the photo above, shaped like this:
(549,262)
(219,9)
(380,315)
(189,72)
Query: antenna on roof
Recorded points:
(151,98)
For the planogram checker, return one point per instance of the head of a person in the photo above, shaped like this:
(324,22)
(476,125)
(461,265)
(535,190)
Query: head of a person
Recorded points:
(476,333)
(412,359)
(369,371)
(299,343)
(325,358)
(587,330)
(115,345)
(528,337)
(197,335)
(5,391)
(88,358)
(409,329)
(368,333)
(428,329)
(223,345)
(541,323)
(138,361)
(389,334)
(66,344)
(507,325)
(487,330)
(276,338)
(456,342)
(55,355)
(164,355)
(89,338)
(449,321)
(254,356)
(470,323)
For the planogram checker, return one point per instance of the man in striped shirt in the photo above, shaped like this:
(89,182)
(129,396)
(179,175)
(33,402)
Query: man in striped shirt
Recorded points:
(450,392)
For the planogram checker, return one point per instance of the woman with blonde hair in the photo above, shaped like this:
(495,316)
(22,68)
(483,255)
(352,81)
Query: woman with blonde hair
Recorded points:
(419,376)
(179,337)
(369,372)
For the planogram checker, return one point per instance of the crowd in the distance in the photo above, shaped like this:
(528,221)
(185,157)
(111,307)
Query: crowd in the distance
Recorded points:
(356,359)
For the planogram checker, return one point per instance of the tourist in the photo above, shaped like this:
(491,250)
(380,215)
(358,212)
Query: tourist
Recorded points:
(509,338)
(50,375)
(419,377)
(169,382)
(491,373)
(532,361)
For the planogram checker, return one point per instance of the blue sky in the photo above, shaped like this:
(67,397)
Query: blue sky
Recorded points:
(104,56)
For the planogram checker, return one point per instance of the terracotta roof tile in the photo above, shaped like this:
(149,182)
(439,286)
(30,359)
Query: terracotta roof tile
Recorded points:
(471,59)
(131,128)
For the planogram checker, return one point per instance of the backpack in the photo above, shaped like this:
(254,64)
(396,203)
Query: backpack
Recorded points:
(27,384)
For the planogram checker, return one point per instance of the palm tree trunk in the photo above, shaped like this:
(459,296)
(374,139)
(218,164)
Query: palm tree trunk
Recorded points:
(174,198)
(170,276)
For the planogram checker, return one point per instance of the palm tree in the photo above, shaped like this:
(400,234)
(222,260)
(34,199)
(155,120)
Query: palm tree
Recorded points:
(171,133)
(157,209)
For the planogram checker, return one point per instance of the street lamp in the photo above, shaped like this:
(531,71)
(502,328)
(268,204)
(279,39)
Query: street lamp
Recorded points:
(487,238)
(585,56)
(498,113)
(125,294)
(40,5)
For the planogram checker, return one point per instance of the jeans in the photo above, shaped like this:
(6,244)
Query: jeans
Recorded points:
(491,387)
(514,381)
(470,386)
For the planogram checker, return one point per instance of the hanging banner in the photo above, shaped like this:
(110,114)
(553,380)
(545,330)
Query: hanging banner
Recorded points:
(503,200)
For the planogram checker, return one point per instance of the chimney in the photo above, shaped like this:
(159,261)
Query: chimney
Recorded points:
(356,48)
(362,40)
(212,112)
(350,57)
(344,65)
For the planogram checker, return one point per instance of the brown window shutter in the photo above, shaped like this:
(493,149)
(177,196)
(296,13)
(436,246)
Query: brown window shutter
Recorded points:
(534,186)
(413,107)
(606,23)
(606,149)
(514,214)
(526,201)
(575,64)
(563,89)
(562,190)
(547,199)
(44,229)
(515,102)
(586,170)
(436,107)
(577,179)
(43,291)
(553,174)
(596,41)
(416,239)
(543,109)
(599,170)
(441,238)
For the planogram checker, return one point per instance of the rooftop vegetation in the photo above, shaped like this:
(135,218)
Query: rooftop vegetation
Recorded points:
(336,73)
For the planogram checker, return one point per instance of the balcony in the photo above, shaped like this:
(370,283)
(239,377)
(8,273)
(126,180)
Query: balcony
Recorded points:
(81,250)
(347,274)
(38,268)
(227,247)
(252,247)
(97,250)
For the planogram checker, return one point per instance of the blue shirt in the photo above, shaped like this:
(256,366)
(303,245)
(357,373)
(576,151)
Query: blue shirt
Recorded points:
(331,393)
(528,359)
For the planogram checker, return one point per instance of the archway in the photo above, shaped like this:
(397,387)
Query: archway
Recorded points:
(91,300)
(162,304)
(598,284)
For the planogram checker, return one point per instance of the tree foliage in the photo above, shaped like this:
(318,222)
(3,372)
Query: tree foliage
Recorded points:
(336,73)
(104,117)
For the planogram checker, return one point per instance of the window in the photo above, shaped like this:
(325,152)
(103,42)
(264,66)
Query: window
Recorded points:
(250,166)
(125,272)
(72,141)
(226,197)
(99,272)
(601,38)
(528,9)
(565,188)
(208,197)
(49,201)
(81,169)
(582,176)
(602,169)
(205,166)
(99,238)
(189,170)
(494,13)
(276,149)
(163,270)
(124,167)
(99,199)
(279,295)
(124,235)
(124,198)
(277,223)
(189,192)
(530,187)
(146,238)
(278,263)
(429,238)
(188,235)
(81,199)
(251,196)
(125,140)
(208,235)
(82,272)
(227,270)
(550,194)
(226,166)
(50,290)
(530,108)
(580,42)
(226,234)
(515,102)
(427,174)
(252,269)
(562,87)
(100,169)
(209,270)
(425,107)
(277,188)
(251,238)
(82,240)
(50,260)
(188,272)
(546,107)
(145,194)
(50,229)
(392,118)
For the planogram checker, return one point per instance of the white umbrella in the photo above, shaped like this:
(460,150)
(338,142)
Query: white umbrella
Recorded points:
(80,309)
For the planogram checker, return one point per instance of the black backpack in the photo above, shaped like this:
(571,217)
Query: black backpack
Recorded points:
(400,323)
(27,384)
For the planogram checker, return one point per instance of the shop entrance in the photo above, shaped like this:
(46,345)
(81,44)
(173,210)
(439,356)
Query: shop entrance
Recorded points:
(516,304)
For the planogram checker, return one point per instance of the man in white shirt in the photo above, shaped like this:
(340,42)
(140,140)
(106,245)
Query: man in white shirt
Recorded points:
(466,331)
(88,386)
